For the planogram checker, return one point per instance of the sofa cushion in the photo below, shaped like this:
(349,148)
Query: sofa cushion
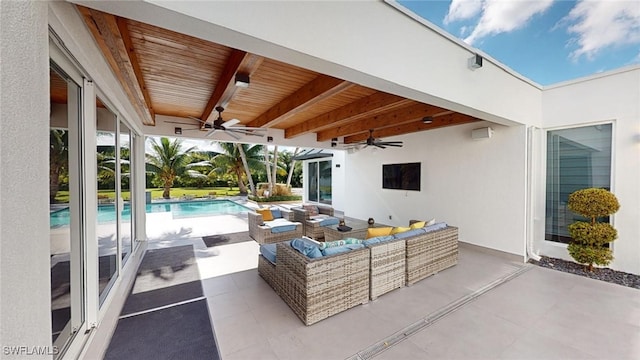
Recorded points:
(377,240)
(410,233)
(306,248)
(311,210)
(276,213)
(341,249)
(435,227)
(381,231)
(269,252)
(325,220)
(266,214)
(329,244)
(397,230)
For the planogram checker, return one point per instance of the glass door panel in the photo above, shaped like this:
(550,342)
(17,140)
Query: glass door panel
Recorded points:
(67,305)
(312,181)
(324,182)
(108,199)
(126,213)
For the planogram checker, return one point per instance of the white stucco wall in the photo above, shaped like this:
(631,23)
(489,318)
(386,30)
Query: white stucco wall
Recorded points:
(610,97)
(476,185)
(25,307)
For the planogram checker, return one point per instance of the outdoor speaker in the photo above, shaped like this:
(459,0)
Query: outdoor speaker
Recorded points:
(475,62)
(481,133)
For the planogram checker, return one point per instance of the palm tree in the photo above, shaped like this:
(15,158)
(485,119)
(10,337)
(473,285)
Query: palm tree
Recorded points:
(58,160)
(167,161)
(231,159)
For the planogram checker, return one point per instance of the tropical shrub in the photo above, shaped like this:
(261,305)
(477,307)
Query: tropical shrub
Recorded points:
(590,238)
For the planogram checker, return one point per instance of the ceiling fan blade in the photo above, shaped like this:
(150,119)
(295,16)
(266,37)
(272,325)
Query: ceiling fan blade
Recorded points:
(246,132)
(241,127)
(394,145)
(232,134)
(229,123)
(196,119)
(177,122)
(380,146)
(211,132)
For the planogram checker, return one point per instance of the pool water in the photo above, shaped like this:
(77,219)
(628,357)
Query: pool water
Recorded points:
(179,210)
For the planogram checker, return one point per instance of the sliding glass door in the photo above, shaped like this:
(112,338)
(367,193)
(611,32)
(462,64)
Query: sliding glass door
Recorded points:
(319,181)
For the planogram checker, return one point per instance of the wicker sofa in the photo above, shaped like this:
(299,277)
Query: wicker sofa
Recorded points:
(312,228)
(262,234)
(318,288)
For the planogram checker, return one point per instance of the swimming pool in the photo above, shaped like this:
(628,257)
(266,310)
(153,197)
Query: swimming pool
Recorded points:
(179,210)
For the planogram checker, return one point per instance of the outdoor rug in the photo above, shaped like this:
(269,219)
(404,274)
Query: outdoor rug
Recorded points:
(165,316)
(177,332)
(165,276)
(226,239)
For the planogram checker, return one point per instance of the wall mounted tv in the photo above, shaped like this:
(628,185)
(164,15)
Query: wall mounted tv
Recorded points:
(401,176)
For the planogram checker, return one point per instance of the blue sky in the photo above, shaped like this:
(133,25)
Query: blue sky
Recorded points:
(547,41)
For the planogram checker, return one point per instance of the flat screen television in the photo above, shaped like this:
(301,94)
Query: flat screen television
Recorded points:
(401,176)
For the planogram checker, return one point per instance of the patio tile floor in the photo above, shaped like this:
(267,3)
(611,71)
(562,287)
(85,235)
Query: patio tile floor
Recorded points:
(541,313)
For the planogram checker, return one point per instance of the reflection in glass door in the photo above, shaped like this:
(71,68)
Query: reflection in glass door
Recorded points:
(67,291)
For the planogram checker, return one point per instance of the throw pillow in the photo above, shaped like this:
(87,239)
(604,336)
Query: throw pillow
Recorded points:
(306,248)
(398,230)
(430,222)
(276,213)
(311,210)
(381,231)
(417,225)
(266,214)
(347,241)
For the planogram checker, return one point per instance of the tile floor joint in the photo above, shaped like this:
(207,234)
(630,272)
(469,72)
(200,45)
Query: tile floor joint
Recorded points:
(435,316)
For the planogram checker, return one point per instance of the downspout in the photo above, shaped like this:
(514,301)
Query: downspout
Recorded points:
(529,213)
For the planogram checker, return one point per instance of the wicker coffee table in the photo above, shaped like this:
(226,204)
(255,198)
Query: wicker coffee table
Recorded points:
(358,230)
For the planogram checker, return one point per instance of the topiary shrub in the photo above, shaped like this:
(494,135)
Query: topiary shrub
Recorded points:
(590,238)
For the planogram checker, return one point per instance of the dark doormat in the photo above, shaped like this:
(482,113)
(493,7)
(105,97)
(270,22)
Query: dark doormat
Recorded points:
(179,332)
(165,276)
(226,239)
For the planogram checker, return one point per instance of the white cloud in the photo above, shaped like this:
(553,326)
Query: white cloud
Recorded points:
(496,16)
(601,24)
(463,10)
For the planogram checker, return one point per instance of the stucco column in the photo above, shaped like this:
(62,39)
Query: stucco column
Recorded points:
(25,305)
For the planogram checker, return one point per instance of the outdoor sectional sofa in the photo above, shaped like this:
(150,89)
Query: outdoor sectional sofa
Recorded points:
(316,288)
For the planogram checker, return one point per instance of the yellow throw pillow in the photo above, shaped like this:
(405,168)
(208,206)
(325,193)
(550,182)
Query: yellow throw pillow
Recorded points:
(417,225)
(381,231)
(266,214)
(398,230)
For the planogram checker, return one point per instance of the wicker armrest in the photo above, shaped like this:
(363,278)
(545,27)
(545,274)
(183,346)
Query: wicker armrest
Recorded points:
(430,253)
(318,288)
(287,214)
(328,210)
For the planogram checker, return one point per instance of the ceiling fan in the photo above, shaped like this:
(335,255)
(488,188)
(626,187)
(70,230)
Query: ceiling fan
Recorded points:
(371,141)
(228,127)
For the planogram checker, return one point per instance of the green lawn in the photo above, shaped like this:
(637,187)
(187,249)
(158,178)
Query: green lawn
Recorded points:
(63,196)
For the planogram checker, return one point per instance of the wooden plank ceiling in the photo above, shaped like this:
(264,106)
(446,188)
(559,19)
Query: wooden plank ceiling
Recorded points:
(168,73)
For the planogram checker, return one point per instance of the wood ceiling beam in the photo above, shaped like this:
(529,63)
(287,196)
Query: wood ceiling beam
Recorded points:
(358,109)
(308,95)
(133,58)
(396,117)
(107,33)
(225,85)
(438,122)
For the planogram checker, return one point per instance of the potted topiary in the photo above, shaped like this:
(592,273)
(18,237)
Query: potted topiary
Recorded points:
(590,238)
